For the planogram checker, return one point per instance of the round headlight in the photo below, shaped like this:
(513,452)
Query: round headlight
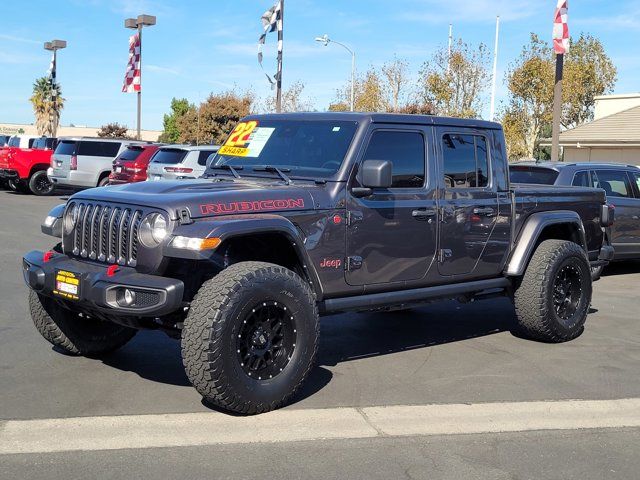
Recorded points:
(153,230)
(70,218)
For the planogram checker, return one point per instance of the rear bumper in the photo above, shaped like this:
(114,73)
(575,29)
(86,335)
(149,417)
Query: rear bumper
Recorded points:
(72,178)
(154,296)
(9,174)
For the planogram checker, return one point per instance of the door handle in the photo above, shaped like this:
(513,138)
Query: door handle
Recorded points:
(422,213)
(484,211)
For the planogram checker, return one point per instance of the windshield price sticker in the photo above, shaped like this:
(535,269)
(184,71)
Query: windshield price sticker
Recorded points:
(246,140)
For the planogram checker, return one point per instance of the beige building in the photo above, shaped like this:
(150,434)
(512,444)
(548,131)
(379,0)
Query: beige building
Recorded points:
(613,135)
(20,129)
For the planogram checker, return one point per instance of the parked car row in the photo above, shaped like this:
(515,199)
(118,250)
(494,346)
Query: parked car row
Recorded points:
(38,164)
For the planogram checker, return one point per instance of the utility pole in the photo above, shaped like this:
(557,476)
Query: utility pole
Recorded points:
(138,23)
(54,46)
(325,40)
(450,43)
(495,72)
(557,108)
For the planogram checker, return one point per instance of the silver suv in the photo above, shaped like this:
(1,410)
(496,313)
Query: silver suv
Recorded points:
(84,161)
(176,162)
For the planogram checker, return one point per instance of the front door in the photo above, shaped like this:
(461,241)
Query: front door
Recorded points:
(392,233)
(469,201)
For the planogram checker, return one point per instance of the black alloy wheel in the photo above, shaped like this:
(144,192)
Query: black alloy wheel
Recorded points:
(567,291)
(266,340)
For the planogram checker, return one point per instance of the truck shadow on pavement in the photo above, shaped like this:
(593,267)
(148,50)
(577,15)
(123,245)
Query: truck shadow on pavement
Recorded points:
(156,357)
(628,267)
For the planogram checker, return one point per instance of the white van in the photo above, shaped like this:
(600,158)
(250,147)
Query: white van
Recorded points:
(85,162)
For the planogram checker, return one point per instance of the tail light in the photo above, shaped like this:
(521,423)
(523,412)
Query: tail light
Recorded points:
(74,163)
(178,169)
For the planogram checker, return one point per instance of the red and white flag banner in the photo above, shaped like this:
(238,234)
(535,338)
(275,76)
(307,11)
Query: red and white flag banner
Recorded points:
(132,75)
(561,28)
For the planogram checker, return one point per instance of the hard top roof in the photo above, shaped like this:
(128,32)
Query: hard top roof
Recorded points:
(560,165)
(397,118)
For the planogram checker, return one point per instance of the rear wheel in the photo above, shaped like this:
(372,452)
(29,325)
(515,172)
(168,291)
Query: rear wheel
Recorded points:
(553,298)
(250,338)
(104,181)
(40,185)
(74,334)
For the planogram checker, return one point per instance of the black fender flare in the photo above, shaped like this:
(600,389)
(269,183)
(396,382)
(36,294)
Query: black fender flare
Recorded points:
(232,226)
(530,233)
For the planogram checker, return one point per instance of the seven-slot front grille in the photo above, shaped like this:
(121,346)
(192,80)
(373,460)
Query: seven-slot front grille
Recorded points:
(107,233)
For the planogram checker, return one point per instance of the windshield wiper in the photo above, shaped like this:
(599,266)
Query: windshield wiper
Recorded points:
(231,168)
(271,168)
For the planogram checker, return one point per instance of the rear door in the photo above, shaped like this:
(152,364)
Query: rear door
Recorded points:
(201,163)
(94,158)
(624,232)
(469,204)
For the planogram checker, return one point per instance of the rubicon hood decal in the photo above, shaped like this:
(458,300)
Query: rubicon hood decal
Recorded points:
(252,206)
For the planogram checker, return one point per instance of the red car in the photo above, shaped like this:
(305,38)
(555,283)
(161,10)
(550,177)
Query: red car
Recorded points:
(25,169)
(131,165)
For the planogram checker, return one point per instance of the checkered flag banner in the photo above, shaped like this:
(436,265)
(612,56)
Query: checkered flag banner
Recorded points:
(271,21)
(561,28)
(132,75)
(51,73)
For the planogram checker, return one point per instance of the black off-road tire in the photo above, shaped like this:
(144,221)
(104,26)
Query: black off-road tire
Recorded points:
(74,334)
(40,185)
(219,313)
(534,298)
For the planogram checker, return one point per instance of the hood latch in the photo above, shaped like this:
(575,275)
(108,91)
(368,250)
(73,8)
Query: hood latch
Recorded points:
(184,217)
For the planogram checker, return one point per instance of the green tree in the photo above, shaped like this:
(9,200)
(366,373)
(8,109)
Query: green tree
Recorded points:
(47,103)
(395,75)
(454,84)
(212,121)
(369,93)
(171,133)
(588,72)
(113,130)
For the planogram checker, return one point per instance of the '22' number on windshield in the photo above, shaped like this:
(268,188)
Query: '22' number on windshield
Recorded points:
(240,134)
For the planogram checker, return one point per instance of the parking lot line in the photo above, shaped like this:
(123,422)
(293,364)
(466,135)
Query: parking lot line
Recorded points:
(194,429)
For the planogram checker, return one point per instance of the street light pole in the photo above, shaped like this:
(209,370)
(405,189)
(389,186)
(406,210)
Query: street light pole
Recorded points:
(326,40)
(54,46)
(138,23)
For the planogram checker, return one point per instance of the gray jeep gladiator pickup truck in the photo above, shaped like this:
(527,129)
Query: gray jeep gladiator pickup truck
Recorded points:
(302,215)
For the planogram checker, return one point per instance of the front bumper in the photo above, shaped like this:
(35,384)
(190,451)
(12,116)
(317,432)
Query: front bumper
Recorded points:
(9,174)
(154,296)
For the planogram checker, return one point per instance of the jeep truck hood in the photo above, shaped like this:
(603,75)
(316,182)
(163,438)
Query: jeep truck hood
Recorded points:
(207,198)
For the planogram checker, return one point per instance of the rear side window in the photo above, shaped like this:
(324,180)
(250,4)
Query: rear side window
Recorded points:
(582,179)
(405,150)
(534,175)
(203,156)
(465,161)
(635,177)
(169,156)
(40,143)
(99,149)
(31,140)
(130,153)
(14,142)
(66,148)
(614,182)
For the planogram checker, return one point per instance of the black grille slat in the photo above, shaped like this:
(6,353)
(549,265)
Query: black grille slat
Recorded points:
(107,233)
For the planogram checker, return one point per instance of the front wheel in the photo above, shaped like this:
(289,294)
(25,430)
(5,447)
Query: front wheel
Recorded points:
(250,338)
(72,333)
(40,185)
(553,298)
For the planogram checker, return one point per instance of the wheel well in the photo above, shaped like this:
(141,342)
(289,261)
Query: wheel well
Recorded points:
(103,175)
(38,168)
(561,231)
(265,247)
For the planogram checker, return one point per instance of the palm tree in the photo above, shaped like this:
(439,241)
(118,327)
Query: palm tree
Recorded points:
(47,104)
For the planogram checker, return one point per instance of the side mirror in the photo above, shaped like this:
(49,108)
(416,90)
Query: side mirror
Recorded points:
(377,174)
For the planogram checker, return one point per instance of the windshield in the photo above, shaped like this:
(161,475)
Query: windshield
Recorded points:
(170,156)
(314,148)
(535,175)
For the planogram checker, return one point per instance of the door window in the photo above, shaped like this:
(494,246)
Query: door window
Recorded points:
(635,178)
(203,156)
(614,182)
(582,179)
(465,161)
(405,151)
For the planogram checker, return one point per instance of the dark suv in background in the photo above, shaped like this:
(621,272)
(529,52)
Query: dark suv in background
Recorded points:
(620,182)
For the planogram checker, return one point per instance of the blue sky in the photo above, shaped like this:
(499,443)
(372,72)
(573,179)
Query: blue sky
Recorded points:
(203,46)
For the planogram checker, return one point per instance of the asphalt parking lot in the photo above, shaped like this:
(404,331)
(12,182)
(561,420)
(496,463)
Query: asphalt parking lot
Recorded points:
(445,353)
